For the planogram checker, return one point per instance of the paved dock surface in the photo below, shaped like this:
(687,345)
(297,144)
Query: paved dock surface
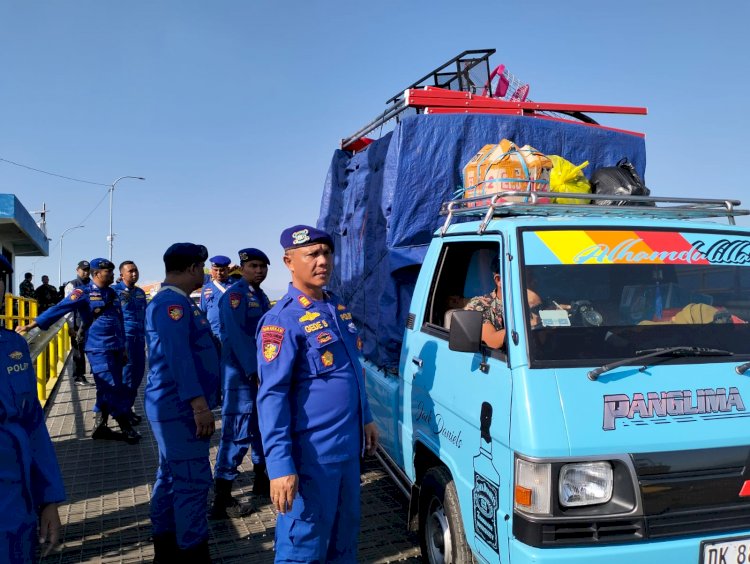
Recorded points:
(108,486)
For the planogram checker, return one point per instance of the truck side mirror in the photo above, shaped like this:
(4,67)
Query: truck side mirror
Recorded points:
(466,331)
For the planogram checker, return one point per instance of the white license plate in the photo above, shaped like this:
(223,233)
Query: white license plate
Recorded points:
(726,551)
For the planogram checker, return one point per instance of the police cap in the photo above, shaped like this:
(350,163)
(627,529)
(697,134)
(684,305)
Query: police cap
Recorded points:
(180,256)
(302,236)
(5,266)
(253,254)
(101,264)
(84,265)
(220,260)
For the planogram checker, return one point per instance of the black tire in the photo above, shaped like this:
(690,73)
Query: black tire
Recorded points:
(441,531)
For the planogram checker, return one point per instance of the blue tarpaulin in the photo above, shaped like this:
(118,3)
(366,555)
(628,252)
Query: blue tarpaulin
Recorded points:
(381,205)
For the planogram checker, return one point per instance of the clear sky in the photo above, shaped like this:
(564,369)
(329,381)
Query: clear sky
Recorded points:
(232,109)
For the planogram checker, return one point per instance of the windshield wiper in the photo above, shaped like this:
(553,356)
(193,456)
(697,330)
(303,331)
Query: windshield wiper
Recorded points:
(658,352)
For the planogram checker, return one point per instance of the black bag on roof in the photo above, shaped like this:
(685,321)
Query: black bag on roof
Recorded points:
(619,180)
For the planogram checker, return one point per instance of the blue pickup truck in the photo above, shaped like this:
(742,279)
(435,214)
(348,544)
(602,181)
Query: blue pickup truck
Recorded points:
(613,424)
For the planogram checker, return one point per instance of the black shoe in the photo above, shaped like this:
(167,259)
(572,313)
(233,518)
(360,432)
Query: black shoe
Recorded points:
(134,418)
(198,554)
(165,548)
(131,435)
(102,432)
(81,381)
(261,483)
(225,506)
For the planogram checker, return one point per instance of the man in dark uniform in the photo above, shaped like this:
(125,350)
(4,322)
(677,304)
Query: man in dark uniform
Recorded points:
(181,390)
(26,288)
(100,312)
(31,482)
(213,290)
(240,310)
(133,303)
(315,421)
(76,326)
(46,295)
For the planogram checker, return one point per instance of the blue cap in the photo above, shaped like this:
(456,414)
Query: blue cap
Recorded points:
(302,236)
(180,256)
(253,254)
(221,260)
(101,264)
(5,265)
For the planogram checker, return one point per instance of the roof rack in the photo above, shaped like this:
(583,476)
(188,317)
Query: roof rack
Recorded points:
(538,204)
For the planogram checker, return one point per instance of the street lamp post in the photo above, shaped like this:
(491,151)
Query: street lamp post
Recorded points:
(111,236)
(59,266)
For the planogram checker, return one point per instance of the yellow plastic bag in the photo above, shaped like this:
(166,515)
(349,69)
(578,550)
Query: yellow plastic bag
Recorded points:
(566,177)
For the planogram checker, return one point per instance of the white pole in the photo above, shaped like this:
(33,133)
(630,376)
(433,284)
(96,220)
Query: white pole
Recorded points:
(111,236)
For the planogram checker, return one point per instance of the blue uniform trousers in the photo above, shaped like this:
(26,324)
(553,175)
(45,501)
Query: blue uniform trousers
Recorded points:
(239,431)
(19,545)
(132,372)
(111,394)
(323,525)
(183,479)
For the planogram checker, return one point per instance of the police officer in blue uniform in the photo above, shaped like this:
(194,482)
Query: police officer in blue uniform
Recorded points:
(315,421)
(214,289)
(181,390)
(77,331)
(99,308)
(240,310)
(133,303)
(31,482)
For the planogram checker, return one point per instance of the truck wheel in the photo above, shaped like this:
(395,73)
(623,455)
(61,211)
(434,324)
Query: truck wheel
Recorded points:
(441,531)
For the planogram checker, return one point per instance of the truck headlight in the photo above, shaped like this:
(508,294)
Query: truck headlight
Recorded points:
(533,488)
(585,483)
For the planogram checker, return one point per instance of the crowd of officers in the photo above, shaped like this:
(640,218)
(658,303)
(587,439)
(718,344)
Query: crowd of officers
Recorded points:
(287,377)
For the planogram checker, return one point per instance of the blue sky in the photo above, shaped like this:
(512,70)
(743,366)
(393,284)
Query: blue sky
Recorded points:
(232,109)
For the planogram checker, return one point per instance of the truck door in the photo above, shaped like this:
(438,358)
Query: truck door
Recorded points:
(449,400)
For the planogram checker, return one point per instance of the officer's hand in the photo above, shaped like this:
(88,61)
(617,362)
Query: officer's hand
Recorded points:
(372,435)
(204,423)
(21,329)
(283,490)
(49,528)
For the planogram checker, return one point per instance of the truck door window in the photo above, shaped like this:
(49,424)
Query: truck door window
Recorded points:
(609,293)
(464,271)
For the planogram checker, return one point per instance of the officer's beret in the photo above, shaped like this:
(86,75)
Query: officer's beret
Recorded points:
(302,236)
(84,264)
(221,260)
(102,264)
(253,254)
(179,256)
(5,265)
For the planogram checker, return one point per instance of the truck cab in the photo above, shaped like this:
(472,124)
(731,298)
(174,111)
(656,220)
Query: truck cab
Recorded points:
(612,424)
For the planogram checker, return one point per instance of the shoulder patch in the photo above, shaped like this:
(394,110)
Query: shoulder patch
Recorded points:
(234,300)
(304,301)
(272,337)
(309,316)
(175,312)
(75,294)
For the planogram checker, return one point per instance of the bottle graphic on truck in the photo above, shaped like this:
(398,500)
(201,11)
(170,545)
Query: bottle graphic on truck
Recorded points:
(486,493)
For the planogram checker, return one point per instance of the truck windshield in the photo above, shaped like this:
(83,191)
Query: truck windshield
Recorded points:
(610,293)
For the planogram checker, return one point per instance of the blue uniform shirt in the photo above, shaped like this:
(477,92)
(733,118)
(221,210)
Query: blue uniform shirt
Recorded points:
(183,361)
(28,467)
(240,310)
(311,401)
(210,294)
(99,307)
(133,304)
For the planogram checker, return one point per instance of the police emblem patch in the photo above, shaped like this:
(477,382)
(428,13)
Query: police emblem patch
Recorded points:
(302,236)
(175,312)
(272,336)
(309,316)
(304,301)
(75,294)
(234,300)
(16,355)
(324,337)
(327,359)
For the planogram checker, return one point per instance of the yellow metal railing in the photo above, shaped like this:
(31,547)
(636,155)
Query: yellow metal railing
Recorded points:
(49,349)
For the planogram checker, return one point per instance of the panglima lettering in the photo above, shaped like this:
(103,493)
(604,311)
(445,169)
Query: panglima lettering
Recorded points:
(669,404)
(623,252)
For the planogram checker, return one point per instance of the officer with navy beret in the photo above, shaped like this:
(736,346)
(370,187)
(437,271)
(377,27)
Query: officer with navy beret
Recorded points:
(214,289)
(99,307)
(314,418)
(32,485)
(181,390)
(240,310)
